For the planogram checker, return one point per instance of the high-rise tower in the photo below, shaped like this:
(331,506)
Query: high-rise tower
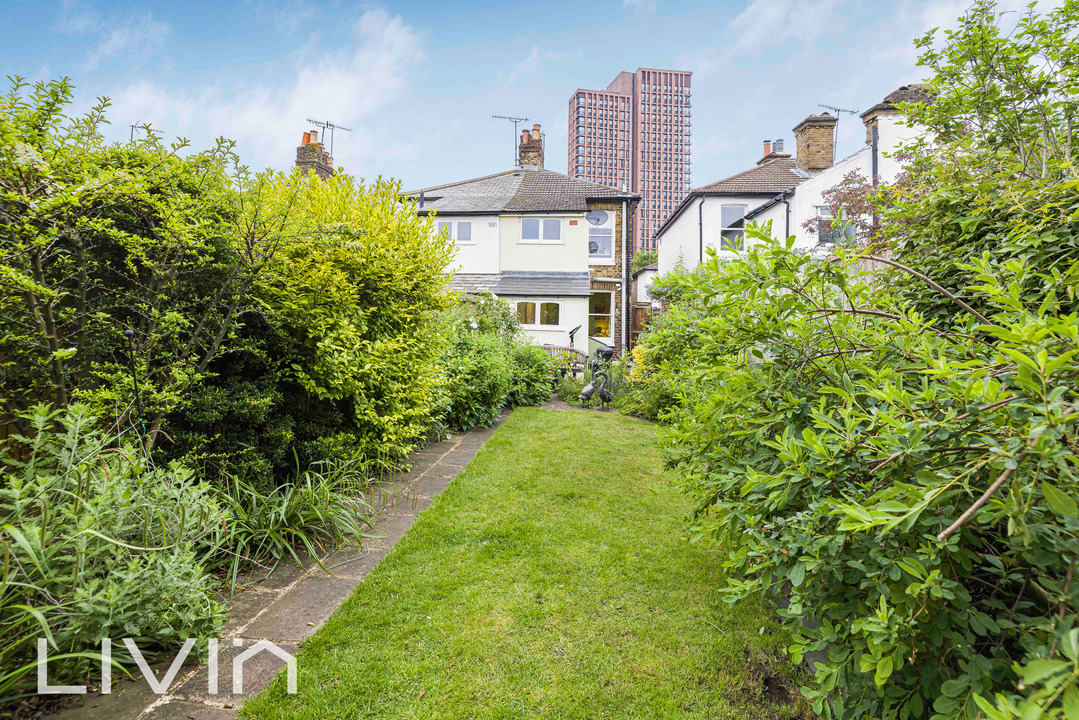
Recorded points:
(636,135)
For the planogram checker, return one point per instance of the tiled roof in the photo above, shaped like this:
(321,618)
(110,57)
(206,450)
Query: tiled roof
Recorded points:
(768,178)
(520,283)
(473,283)
(526,189)
(913,93)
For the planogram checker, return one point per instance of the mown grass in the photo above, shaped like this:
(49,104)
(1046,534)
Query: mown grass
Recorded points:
(551,579)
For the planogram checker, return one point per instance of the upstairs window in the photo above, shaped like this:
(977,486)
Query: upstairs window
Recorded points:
(600,234)
(732,235)
(460,231)
(541,230)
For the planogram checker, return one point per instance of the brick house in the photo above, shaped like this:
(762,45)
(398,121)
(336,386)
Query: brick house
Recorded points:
(555,247)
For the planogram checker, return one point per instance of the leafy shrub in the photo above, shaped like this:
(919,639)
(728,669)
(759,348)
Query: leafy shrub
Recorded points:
(654,384)
(531,382)
(488,364)
(568,388)
(841,448)
(479,375)
(265,312)
(97,542)
(321,505)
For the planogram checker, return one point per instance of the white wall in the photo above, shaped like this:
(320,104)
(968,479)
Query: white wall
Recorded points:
(574,312)
(682,238)
(644,281)
(570,254)
(481,256)
(809,195)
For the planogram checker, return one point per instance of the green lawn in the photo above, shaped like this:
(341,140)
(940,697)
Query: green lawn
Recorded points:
(550,580)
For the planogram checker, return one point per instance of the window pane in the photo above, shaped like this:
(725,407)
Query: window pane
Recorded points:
(731,240)
(599,326)
(464,232)
(529,229)
(526,313)
(552,229)
(444,227)
(549,313)
(600,243)
(731,214)
(599,303)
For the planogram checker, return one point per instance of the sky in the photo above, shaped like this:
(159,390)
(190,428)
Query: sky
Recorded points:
(418,82)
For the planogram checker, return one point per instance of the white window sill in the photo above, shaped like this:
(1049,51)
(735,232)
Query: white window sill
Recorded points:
(600,261)
(540,242)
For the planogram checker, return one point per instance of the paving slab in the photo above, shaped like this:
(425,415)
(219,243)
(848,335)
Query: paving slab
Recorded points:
(127,700)
(182,710)
(390,528)
(354,565)
(258,671)
(245,605)
(297,613)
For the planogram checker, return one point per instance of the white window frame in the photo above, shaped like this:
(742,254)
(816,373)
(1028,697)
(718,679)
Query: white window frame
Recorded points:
(454,230)
(609,315)
(609,225)
(540,240)
(723,228)
(538,302)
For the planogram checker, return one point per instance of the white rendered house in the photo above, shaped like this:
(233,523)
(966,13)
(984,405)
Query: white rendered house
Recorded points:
(555,247)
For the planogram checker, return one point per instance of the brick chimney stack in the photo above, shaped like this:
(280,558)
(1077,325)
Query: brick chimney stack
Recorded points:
(814,140)
(310,155)
(531,151)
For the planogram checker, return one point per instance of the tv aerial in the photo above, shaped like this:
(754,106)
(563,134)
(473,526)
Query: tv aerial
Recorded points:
(331,127)
(835,132)
(516,121)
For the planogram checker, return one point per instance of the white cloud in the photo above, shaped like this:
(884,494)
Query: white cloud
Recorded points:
(137,39)
(530,66)
(289,16)
(771,22)
(347,87)
(77,18)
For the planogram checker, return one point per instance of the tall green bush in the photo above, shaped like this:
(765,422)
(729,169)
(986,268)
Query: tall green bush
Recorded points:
(96,543)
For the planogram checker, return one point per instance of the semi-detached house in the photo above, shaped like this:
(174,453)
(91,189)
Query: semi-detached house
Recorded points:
(553,246)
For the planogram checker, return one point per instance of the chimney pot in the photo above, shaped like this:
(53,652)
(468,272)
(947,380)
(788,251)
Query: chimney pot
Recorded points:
(531,150)
(306,138)
(777,146)
(767,147)
(314,136)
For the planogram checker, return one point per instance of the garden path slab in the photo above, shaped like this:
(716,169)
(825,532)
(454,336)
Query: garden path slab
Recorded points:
(291,602)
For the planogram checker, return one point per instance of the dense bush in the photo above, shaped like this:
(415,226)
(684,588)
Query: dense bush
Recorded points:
(97,542)
(489,364)
(896,453)
(267,314)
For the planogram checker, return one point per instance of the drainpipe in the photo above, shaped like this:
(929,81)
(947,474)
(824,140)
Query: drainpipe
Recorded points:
(787,202)
(625,278)
(700,227)
(876,149)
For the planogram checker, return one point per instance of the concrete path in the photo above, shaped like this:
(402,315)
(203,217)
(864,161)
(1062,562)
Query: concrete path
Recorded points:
(290,604)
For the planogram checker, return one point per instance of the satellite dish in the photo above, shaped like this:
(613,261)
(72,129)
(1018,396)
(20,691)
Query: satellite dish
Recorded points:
(597,217)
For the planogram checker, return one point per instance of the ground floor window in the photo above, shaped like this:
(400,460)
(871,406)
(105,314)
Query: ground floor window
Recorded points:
(600,313)
(549,313)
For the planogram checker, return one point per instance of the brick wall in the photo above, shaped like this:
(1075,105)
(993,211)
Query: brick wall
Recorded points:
(603,276)
(815,140)
(312,156)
